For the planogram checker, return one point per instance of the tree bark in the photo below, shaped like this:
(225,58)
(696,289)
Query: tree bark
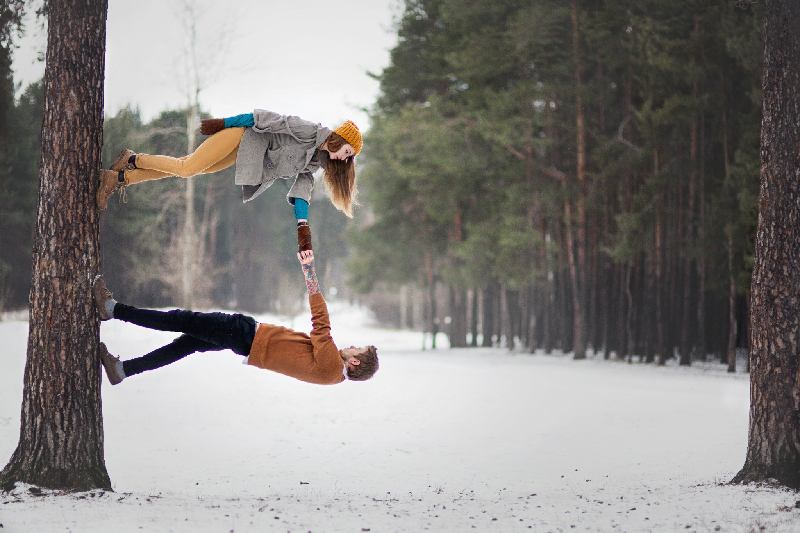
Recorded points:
(457,330)
(773,450)
(658,267)
(579,271)
(473,317)
(686,347)
(701,261)
(547,290)
(731,303)
(189,251)
(61,426)
(487,317)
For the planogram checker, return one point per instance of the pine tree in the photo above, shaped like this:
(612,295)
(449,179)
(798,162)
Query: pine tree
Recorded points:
(61,429)
(773,451)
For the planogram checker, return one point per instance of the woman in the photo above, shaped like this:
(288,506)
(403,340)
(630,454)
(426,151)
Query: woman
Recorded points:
(265,146)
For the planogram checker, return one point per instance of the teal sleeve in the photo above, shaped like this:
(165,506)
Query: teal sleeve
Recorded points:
(240,121)
(300,209)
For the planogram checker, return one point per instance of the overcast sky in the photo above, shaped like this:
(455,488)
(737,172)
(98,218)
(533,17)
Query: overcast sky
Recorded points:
(303,58)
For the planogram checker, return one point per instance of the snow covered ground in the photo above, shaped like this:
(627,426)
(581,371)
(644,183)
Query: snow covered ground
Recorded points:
(445,440)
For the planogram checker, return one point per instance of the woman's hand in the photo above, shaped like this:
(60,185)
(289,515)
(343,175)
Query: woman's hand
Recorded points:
(303,237)
(306,257)
(210,126)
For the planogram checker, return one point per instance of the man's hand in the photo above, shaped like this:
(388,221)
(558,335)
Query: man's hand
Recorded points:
(210,126)
(306,257)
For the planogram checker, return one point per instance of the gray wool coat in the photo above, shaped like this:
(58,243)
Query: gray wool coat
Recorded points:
(280,146)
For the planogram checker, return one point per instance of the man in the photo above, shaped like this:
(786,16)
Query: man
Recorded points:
(312,358)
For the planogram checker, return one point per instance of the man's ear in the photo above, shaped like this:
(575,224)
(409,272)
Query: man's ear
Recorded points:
(355,362)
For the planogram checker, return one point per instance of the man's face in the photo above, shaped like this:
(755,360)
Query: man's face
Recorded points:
(349,355)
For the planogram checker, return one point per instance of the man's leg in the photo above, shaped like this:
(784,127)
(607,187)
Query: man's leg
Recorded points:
(226,331)
(174,351)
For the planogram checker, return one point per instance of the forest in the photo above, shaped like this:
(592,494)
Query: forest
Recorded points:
(575,176)
(578,176)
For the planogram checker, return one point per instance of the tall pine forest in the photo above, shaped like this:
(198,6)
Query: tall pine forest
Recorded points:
(578,176)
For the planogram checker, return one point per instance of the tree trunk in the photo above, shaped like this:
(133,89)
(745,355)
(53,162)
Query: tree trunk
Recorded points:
(485,326)
(187,270)
(403,306)
(547,307)
(626,321)
(433,319)
(731,342)
(579,271)
(473,318)
(731,304)
(629,339)
(773,450)
(686,347)
(457,330)
(660,319)
(701,261)
(61,427)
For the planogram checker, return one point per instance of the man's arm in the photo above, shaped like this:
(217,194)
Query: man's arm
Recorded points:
(306,258)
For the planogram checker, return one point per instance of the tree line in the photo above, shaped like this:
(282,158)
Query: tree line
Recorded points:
(574,175)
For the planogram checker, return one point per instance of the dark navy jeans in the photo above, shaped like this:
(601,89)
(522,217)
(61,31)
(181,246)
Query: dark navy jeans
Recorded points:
(202,332)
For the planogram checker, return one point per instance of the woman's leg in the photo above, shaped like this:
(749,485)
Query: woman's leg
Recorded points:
(227,161)
(174,351)
(227,331)
(217,152)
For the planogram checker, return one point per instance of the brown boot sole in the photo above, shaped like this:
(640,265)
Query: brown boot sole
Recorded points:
(109,364)
(100,293)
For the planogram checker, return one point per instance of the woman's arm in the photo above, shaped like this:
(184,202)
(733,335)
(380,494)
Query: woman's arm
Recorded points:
(303,230)
(300,209)
(299,194)
(210,126)
(244,120)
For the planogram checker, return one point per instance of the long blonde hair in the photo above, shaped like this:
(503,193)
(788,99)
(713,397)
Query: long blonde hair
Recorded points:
(339,177)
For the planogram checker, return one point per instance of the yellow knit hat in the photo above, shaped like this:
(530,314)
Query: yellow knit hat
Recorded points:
(349,132)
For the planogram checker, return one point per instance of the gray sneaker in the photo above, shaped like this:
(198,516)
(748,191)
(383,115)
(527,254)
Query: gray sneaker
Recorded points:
(110,364)
(101,294)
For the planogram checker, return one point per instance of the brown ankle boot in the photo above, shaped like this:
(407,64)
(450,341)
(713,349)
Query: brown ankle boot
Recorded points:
(122,161)
(109,182)
(101,294)
(109,364)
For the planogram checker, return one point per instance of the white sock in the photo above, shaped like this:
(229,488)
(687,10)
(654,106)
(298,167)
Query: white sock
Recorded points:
(109,307)
(120,369)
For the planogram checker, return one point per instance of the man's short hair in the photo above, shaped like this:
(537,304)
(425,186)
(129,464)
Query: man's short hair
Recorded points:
(368,366)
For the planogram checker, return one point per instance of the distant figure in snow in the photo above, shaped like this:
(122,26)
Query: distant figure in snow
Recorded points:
(265,146)
(312,358)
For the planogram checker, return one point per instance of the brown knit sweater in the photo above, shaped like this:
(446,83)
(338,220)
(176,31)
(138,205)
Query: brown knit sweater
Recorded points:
(313,358)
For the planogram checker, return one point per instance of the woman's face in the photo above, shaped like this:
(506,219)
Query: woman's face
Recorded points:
(343,153)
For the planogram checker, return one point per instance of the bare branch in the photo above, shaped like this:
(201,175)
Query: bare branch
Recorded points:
(623,140)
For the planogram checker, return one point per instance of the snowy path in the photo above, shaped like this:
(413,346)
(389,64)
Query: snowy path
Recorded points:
(446,440)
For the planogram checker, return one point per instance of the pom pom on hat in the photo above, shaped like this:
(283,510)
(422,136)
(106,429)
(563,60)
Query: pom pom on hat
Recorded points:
(350,133)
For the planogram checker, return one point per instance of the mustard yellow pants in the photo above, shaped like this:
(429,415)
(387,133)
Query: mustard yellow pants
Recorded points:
(217,152)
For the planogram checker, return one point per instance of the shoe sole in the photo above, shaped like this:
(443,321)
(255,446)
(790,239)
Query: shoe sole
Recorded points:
(102,313)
